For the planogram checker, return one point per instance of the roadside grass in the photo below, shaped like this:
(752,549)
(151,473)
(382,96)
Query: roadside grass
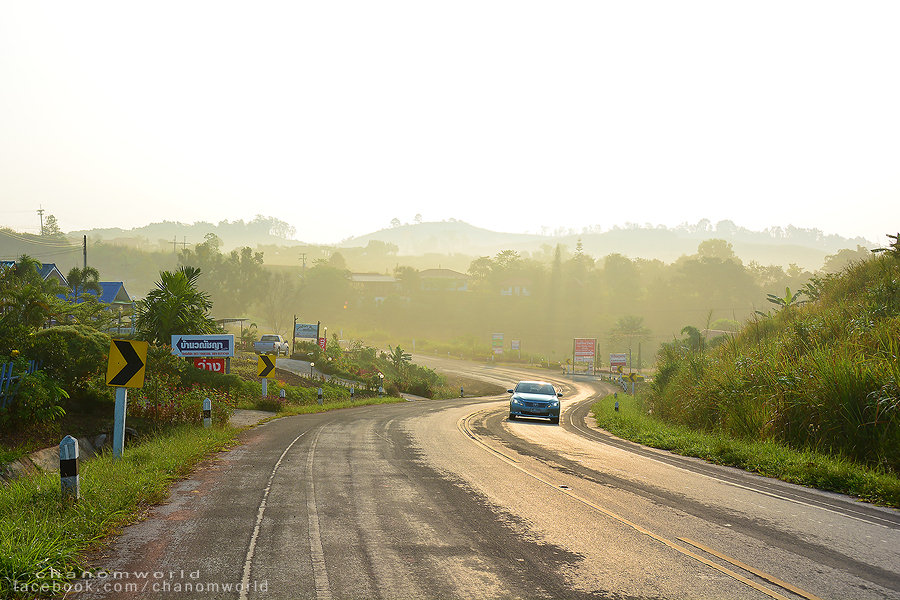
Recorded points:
(305,409)
(42,537)
(766,457)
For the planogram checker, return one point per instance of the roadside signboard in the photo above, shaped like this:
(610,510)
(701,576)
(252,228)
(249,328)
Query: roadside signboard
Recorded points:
(217,365)
(497,343)
(306,330)
(202,346)
(515,344)
(322,342)
(585,350)
(619,360)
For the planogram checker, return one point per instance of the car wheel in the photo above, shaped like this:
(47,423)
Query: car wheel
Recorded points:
(555,421)
(512,417)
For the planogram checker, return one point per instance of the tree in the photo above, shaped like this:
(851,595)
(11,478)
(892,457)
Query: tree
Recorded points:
(82,281)
(395,222)
(409,278)
(277,304)
(399,358)
(717,248)
(27,301)
(51,229)
(787,301)
(628,330)
(418,219)
(175,307)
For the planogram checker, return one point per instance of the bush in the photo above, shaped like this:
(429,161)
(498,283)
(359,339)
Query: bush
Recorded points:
(71,354)
(37,401)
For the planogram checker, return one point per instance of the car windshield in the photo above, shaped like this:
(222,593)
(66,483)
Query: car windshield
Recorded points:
(536,388)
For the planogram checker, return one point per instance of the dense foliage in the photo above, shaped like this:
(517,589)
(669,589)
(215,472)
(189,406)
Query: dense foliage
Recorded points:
(822,375)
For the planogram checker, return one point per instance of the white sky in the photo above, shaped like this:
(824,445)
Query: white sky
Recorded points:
(337,116)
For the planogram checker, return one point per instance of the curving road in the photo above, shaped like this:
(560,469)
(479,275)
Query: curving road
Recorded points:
(449,499)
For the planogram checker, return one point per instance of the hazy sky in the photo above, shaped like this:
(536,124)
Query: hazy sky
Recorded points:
(510,115)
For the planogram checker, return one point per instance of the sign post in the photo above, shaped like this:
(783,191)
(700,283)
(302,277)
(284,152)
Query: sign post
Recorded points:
(127,361)
(264,368)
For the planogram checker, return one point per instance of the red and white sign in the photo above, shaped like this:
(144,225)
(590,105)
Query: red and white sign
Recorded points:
(216,365)
(585,350)
(322,342)
(618,360)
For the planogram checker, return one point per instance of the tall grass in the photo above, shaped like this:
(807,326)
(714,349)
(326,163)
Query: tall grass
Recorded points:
(824,376)
(42,535)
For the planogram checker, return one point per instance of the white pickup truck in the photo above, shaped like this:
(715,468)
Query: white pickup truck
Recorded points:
(271,344)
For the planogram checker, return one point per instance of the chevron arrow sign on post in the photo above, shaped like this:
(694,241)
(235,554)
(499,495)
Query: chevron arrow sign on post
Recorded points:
(265,366)
(127,360)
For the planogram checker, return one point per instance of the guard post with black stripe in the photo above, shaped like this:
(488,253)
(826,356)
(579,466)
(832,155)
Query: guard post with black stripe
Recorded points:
(68,468)
(207,413)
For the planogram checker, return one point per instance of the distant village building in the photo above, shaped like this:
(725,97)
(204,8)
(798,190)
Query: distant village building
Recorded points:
(444,280)
(515,287)
(377,286)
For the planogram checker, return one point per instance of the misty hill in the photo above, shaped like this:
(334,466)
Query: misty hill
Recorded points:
(175,235)
(806,248)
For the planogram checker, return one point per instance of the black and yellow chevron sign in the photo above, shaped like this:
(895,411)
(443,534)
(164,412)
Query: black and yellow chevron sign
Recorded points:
(127,360)
(265,366)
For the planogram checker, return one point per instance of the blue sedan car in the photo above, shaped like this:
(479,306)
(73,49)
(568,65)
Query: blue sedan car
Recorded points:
(534,399)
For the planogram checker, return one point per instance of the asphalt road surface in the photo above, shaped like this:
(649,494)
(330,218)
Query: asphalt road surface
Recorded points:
(450,499)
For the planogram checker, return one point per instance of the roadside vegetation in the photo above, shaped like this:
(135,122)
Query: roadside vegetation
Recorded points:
(808,392)
(44,538)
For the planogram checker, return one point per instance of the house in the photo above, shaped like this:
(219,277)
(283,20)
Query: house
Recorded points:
(444,280)
(375,285)
(114,293)
(46,271)
(515,287)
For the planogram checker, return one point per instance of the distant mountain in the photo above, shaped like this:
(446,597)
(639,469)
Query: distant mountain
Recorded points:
(806,248)
(779,246)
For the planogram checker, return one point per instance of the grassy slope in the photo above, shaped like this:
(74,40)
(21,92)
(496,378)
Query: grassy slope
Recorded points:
(809,394)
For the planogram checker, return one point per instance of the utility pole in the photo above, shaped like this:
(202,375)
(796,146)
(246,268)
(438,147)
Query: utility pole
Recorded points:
(84,251)
(303,258)
(41,213)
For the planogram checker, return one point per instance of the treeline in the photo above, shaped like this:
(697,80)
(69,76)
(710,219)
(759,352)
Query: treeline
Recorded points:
(542,301)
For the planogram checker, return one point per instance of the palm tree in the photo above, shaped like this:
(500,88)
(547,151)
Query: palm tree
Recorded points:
(26,299)
(82,281)
(176,307)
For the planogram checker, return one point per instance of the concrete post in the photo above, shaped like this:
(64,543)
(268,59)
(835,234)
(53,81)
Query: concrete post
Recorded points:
(461,393)
(68,468)
(320,397)
(207,413)
(381,391)
(265,387)
(351,393)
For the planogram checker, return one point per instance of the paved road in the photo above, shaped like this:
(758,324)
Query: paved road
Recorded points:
(449,499)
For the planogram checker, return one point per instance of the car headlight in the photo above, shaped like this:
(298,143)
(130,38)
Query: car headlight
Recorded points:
(515,400)
(554,404)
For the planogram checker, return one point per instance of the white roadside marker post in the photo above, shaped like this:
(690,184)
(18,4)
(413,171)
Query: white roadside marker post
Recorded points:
(320,397)
(351,393)
(207,413)
(68,468)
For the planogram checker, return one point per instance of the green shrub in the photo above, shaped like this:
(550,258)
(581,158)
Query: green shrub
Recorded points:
(71,354)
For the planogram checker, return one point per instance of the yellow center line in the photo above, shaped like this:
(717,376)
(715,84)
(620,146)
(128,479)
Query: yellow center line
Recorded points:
(749,569)
(463,426)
